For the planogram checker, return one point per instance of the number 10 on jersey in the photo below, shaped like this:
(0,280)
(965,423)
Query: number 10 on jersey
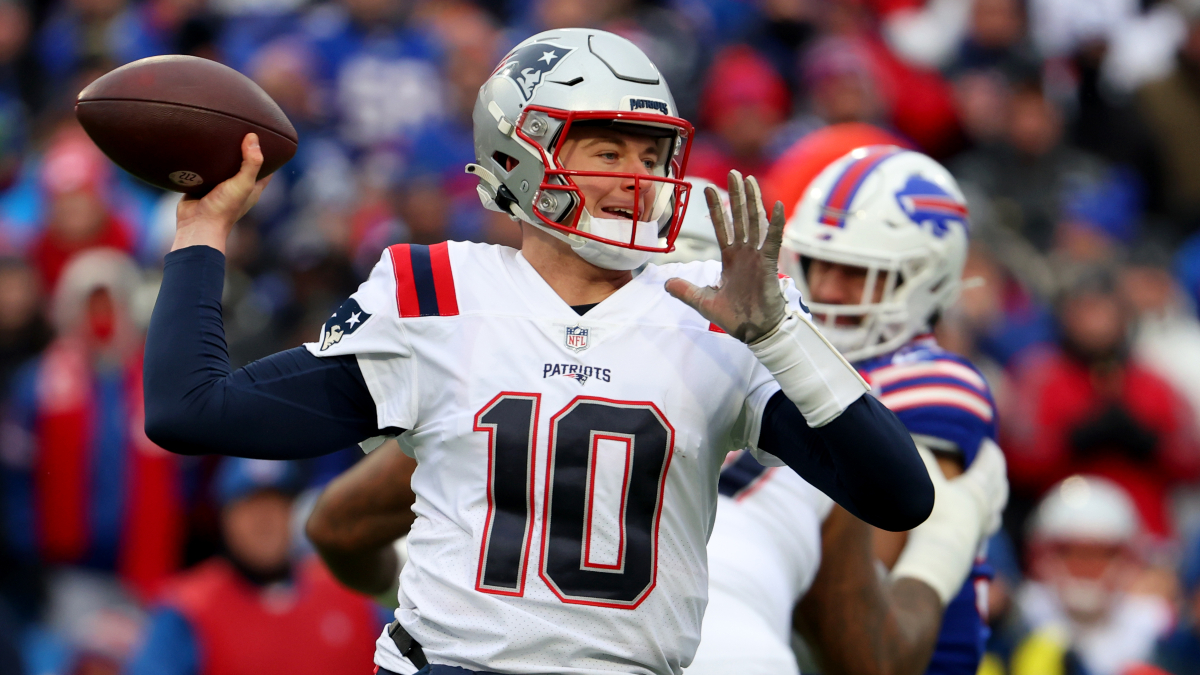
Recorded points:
(593,444)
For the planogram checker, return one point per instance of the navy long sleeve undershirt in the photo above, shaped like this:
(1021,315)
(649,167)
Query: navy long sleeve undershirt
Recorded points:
(295,405)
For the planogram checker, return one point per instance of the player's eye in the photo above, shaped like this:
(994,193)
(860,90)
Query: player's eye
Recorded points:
(649,164)
(609,156)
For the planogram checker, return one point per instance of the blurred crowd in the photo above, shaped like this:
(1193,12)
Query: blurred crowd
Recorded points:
(1073,126)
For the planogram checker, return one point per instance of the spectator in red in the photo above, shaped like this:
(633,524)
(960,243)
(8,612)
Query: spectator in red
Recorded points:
(83,485)
(1086,406)
(74,176)
(744,102)
(252,610)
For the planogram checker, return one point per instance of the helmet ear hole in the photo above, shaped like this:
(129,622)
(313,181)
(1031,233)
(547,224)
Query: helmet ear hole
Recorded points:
(508,162)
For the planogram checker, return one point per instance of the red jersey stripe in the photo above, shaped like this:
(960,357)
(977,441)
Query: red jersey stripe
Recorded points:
(443,279)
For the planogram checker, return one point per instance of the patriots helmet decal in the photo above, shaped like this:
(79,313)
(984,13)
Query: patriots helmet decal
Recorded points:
(924,201)
(528,66)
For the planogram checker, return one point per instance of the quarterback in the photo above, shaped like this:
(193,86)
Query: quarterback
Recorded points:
(568,420)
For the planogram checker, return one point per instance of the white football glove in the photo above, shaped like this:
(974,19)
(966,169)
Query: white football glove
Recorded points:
(966,512)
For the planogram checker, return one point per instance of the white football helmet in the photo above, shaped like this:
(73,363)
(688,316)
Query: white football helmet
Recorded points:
(697,239)
(574,76)
(896,213)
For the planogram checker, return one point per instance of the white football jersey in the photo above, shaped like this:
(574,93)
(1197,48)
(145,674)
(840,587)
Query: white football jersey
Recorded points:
(764,552)
(567,465)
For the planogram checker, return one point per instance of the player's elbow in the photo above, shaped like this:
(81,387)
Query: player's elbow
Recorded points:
(322,530)
(170,429)
(910,506)
(330,532)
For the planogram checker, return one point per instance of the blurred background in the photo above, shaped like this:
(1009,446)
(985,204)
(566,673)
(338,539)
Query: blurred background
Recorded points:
(1073,126)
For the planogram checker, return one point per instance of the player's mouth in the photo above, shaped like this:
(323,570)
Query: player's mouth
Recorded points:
(618,212)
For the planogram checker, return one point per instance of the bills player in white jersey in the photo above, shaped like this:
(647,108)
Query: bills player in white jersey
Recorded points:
(569,421)
(761,565)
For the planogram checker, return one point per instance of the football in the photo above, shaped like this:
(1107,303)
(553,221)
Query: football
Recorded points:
(177,122)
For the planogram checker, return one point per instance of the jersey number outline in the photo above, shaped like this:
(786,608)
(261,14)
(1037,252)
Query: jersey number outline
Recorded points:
(566,566)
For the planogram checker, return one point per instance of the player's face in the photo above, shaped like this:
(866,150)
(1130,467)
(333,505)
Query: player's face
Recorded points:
(836,284)
(592,149)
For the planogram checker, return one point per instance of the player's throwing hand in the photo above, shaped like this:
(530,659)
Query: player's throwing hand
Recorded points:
(208,221)
(747,301)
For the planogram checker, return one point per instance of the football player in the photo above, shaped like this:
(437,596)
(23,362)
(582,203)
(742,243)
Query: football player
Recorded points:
(568,420)
(762,564)
(878,244)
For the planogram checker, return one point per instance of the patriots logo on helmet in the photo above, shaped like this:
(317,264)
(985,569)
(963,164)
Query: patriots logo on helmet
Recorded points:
(529,65)
(347,319)
(923,201)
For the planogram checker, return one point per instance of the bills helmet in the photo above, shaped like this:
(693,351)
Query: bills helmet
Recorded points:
(899,215)
(546,85)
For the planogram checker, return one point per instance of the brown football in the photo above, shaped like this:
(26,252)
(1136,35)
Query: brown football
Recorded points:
(177,122)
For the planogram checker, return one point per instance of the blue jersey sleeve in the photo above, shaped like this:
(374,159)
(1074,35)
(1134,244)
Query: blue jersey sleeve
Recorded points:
(168,647)
(291,405)
(863,459)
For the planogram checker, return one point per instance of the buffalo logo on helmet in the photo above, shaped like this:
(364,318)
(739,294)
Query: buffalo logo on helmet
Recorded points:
(345,321)
(528,66)
(924,201)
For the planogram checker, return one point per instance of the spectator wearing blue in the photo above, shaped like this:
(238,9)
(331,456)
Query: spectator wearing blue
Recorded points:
(382,78)
(252,610)
(1179,652)
(85,32)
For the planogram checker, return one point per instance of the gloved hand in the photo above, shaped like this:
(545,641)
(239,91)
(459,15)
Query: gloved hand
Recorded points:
(747,301)
(966,512)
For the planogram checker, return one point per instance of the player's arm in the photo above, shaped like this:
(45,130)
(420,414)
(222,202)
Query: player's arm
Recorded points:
(289,405)
(845,443)
(863,623)
(864,459)
(859,623)
(359,516)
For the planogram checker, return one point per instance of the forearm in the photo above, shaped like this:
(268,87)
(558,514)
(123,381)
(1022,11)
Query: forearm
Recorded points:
(360,515)
(370,571)
(864,459)
(289,405)
(860,623)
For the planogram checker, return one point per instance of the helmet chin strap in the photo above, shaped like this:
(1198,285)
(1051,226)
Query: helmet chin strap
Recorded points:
(607,256)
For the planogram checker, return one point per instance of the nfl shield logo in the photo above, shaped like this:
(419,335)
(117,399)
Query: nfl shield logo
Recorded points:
(577,338)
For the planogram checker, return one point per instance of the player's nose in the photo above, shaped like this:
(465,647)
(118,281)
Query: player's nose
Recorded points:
(829,287)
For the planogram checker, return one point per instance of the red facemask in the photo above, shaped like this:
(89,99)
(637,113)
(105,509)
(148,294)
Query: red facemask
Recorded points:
(558,191)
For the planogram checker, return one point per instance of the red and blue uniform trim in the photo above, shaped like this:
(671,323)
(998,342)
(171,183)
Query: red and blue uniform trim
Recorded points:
(424,280)
(841,195)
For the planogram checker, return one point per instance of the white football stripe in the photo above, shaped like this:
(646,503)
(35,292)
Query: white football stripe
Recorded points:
(938,395)
(893,374)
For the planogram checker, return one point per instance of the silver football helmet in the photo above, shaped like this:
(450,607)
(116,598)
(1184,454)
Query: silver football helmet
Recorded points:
(544,86)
